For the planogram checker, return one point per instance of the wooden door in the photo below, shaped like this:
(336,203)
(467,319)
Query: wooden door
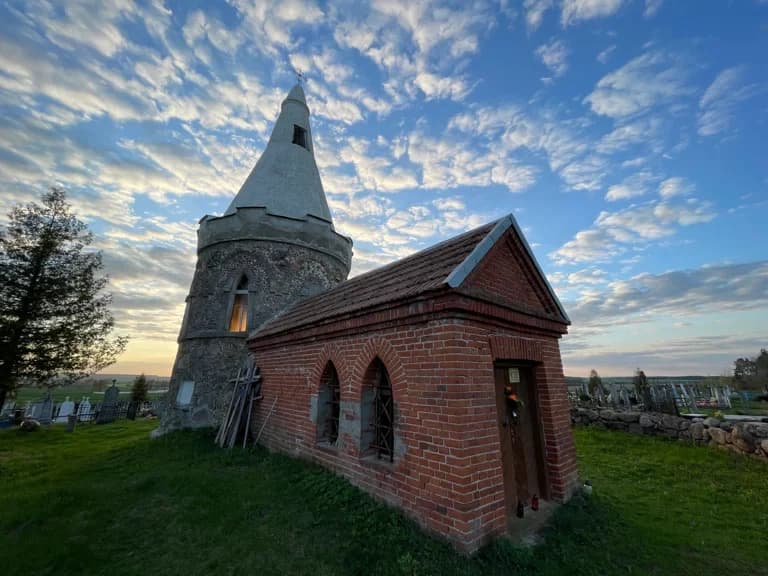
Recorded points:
(520,434)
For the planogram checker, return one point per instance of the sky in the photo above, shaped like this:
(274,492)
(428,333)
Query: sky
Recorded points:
(628,138)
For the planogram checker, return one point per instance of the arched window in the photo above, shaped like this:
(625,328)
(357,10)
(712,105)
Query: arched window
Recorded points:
(238,321)
(328,406)
(378,413)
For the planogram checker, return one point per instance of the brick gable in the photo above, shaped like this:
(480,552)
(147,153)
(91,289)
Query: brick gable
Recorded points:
(507,276)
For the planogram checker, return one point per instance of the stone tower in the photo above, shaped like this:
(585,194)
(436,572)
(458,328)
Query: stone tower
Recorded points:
(274,245)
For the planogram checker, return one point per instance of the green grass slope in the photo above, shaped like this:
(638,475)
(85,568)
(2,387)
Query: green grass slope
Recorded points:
(107,500)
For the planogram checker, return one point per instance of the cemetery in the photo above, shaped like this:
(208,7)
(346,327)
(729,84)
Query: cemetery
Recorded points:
(691,412)
(104,408)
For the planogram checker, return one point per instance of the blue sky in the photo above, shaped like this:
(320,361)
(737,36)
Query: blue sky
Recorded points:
(628,137)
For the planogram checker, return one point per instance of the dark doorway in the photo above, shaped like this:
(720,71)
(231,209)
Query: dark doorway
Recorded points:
(520,433)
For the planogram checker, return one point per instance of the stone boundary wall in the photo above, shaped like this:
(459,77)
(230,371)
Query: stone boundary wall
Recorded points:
(742,437)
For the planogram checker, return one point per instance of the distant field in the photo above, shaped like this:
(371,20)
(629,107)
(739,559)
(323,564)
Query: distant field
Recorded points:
(75,392)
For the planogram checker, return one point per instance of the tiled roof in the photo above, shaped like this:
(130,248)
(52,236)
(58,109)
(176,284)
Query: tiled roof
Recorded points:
(418,273)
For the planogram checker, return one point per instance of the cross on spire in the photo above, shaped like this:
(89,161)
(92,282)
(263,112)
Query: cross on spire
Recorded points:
(300,76)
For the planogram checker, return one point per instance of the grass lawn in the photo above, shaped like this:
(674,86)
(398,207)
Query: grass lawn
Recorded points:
(107,500)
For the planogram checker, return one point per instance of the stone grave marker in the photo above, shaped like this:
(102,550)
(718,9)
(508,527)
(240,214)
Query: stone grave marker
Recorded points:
(8,408)
(46,411)
(84,410)
(108,412)
(67,407)
(34,409)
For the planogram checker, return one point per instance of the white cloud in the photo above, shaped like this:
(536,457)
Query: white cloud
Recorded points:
(90,24)
(566,148)
(200,26)
(681,292)
(646,81)
(603,56)
(589,276)
(643,130)
(675,186)
(271,23)
(638,184)
(613,233)
(592,245)
(417,45)
(574,11)
(652,7)
(534,12)
(720,101)
(447,164)
(554,56)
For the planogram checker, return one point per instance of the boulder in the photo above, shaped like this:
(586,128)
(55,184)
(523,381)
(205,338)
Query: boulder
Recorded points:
(764,446)
(683,424)
(742,439)
(591,415)
(697,431)
(629,416)
(756,429)
(711,422)
(607,415)
(669,422)
(718,436)
(646,421)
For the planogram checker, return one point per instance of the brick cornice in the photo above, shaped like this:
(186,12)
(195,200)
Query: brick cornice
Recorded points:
(430,306)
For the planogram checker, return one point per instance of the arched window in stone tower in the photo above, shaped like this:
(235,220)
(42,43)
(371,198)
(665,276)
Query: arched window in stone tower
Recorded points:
(238,321)
(328,406)
(378,413)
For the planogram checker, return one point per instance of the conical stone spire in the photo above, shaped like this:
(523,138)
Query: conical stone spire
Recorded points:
(275,245)
(285,180)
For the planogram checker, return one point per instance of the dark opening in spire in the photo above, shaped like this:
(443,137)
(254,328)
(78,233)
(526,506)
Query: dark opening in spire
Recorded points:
(300,136)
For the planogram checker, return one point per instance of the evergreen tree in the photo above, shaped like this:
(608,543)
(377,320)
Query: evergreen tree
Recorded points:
(140,390)
(751,373)
(595,384)
(55,322)
(642,388)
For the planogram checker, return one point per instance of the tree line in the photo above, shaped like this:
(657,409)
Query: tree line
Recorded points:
(748,374)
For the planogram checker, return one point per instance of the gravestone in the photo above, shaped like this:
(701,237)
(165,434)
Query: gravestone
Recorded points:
(108,411)
(84,410)
(67,407)
(8,408)
(34,410)
(46,411)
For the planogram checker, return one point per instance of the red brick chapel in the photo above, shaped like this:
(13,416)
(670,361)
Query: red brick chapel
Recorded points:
(434,383)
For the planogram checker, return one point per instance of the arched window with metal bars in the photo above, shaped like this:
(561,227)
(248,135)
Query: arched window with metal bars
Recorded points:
(378,413)
(328,406)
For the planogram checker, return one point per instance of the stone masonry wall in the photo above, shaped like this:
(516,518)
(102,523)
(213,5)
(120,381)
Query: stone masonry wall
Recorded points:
(742,437)
(447,470)
(278,275)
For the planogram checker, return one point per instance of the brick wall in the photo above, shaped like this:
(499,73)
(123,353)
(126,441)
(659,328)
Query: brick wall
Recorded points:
(447,471)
